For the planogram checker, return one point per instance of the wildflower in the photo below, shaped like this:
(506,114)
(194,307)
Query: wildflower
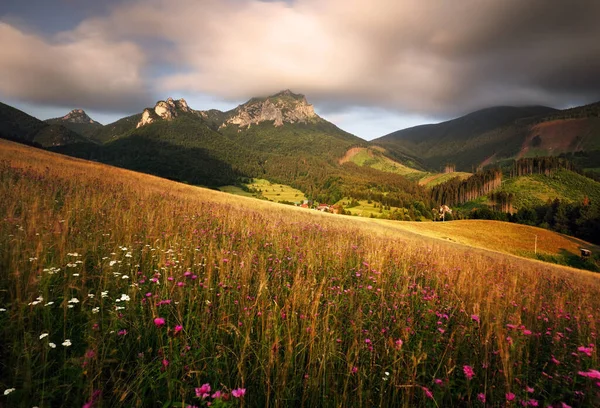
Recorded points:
(111,263)
(399,343)
(93,400)
(203,391)
(510,396)
(554,360)
(2,309)
(95,310)
(238,393)
(585,350)
(354,370)
(124,277)
(590,374)
(368,341)
(427,392)
(159,321)
(468,370)
(52,345)
(73,300)
(529,389)
(67,343)
(532,403)
(43,335)
(8,391)
(475,318)
(481,397)
(125,298)
(216,395)
(527,332)
(178,328)
(165,363)
(122,332)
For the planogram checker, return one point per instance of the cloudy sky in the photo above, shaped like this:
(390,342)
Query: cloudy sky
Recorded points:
(370,66)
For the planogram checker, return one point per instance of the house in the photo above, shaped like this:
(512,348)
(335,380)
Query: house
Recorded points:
(323,207)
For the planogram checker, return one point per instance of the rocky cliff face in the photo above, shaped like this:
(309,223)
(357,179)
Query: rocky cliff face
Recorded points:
(165,110)
(77,116)
(284,107)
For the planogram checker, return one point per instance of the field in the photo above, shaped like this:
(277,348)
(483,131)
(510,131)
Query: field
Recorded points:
(122,289)
(430,180)
(261,188)
(373,157)
(564,185)
(510,238)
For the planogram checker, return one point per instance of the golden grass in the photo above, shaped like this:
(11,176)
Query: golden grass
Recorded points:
(499,236)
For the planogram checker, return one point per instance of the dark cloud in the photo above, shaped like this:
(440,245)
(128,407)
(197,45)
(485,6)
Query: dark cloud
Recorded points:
(424,57)
(84,72)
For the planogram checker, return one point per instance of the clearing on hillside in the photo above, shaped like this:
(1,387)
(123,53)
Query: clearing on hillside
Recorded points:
(374,158)
(264,189)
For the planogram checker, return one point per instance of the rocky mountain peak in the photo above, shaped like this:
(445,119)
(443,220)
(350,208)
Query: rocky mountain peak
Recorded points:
(77,116)
(165,110)
(283,107)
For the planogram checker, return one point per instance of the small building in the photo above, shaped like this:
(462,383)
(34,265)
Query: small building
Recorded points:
(323,207)
(585,253)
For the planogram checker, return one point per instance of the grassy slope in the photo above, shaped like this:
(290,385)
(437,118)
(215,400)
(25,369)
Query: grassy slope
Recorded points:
(433,179)
(564,185)
(369,157)
(298,307)
(500,236)
(271,191)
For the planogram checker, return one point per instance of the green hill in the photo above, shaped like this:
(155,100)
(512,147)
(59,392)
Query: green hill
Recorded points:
(537,189)
(18,126)
(499,133)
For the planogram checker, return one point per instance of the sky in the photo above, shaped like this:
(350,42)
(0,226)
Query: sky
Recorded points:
(370,66)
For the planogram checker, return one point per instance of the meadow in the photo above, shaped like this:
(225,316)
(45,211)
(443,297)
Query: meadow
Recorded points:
(122,289)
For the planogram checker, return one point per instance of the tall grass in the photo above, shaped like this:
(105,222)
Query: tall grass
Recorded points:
(297,308)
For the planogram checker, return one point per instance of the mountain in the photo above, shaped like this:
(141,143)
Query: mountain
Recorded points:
(500,133)
(79,122)
(18,126)
(466,141)
(279,137)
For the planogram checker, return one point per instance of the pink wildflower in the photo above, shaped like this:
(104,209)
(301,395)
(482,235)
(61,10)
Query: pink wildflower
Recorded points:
(427,392)
(585,350)
(165,363)
(178,328)
(238,393)
(475,317)
(217,394)
(527,332)
(399,343)
(510,396)
(590,374)
(468,370)
(529,389)
(354,370)
(481,397)
(159,321)
(203,391)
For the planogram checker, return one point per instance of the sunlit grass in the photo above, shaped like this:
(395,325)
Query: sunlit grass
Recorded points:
(121,289)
